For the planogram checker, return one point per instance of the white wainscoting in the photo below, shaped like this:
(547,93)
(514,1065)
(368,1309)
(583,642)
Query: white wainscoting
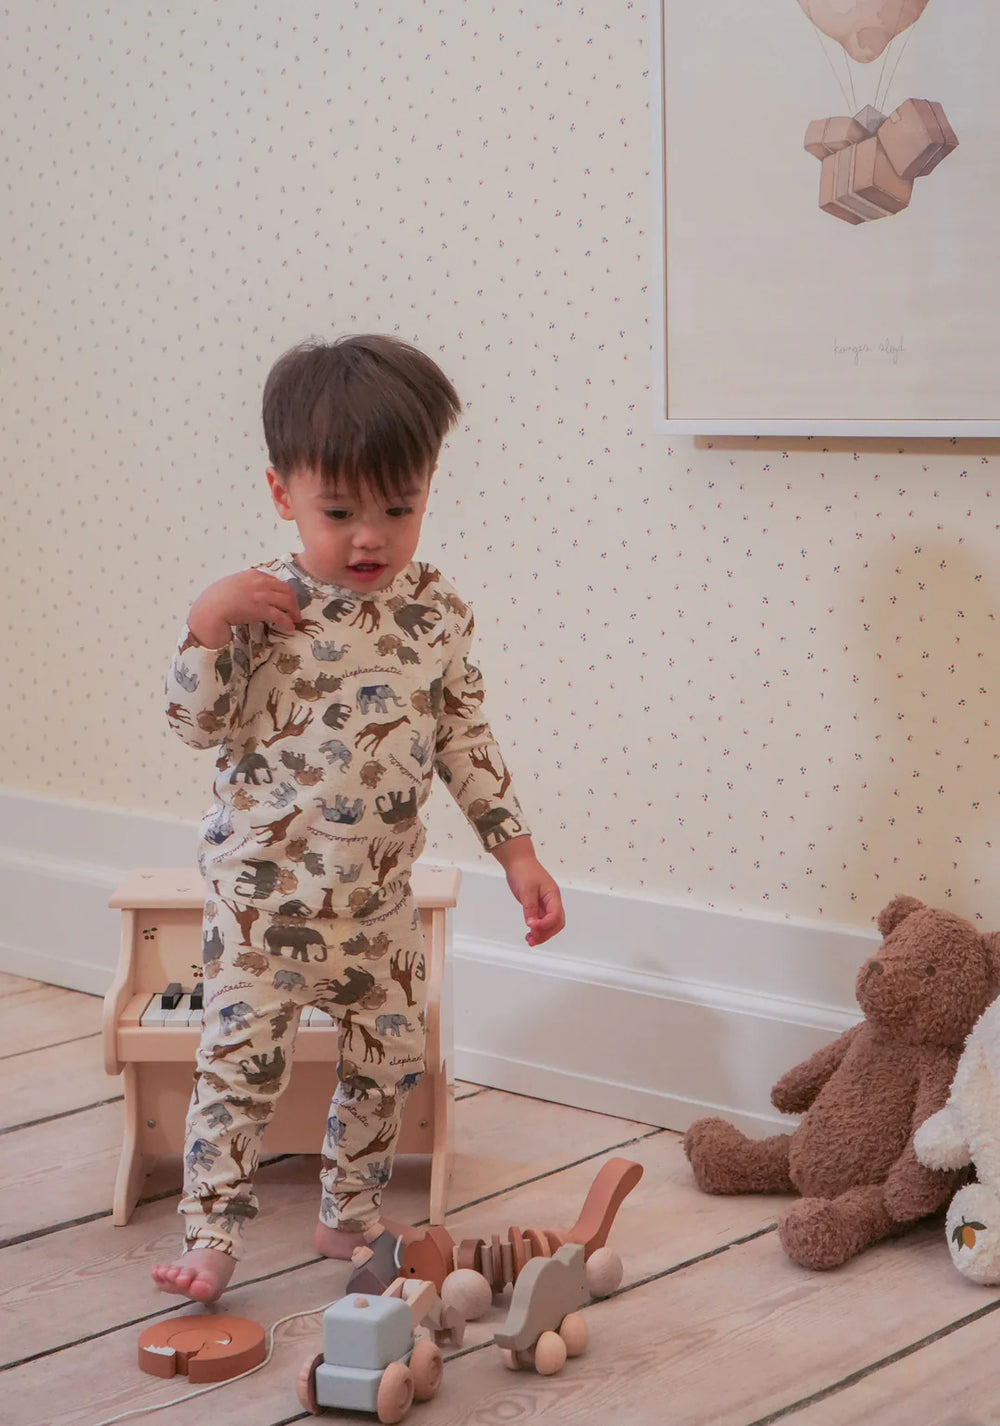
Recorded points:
(642,1009)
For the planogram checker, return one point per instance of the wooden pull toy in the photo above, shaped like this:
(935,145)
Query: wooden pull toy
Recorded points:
(543,1325)
(445,1283)
(383,1350)
(372,1359)
(435,1257)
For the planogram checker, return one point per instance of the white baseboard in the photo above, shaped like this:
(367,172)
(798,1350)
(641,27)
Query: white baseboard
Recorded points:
(642,1009)
(638,1045)
(59,863)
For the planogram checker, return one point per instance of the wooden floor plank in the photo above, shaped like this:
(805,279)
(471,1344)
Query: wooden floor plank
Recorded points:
(87,1383)
(59,1170)
(951,1380)
(15,984)
(46,1015)
(55,1080)
(464,1090)
(102,1272)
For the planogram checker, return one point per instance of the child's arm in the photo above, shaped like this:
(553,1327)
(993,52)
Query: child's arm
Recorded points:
(207,678)
(470,763)
(534,889)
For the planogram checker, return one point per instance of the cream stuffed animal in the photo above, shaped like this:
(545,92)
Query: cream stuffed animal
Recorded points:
(967,1131)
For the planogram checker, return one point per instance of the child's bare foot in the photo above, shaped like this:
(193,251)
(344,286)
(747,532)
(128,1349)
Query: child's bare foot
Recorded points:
(201,1274)
(335,1243)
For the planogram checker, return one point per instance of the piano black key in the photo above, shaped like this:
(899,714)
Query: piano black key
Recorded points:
(198,996)
(170,997)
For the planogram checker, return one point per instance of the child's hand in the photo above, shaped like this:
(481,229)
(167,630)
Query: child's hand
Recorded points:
(250,597)
(534,888)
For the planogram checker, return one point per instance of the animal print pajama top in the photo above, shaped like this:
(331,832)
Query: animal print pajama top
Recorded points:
(328,741)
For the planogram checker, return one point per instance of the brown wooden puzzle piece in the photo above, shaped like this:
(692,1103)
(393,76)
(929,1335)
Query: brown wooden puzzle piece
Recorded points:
(205,1348)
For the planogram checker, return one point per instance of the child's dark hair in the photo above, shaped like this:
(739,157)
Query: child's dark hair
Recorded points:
(366,410)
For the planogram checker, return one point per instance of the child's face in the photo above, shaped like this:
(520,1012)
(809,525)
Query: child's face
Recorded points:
(358,544)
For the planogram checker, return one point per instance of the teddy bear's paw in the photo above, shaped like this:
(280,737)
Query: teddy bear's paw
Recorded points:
(712,1147)
(972,1227)
(724,1160)
(819,1233)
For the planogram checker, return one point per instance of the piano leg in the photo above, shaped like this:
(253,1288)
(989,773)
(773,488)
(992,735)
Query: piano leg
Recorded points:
(444,1097)
(133,1165)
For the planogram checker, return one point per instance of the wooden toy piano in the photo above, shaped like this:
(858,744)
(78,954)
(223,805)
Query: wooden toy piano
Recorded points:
(153,1046)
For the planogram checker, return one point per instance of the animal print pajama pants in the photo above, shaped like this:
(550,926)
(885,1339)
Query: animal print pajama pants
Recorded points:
(261,971)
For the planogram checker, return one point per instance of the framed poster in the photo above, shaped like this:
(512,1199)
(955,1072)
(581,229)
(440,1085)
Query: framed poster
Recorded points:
(827,188)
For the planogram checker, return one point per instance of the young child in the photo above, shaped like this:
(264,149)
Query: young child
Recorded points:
(333,682)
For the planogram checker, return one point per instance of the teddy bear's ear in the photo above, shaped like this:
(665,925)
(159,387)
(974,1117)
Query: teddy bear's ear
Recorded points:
(992,943)
(897,910)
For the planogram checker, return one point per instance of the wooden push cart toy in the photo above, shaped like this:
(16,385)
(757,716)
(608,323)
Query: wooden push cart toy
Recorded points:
(371,1360)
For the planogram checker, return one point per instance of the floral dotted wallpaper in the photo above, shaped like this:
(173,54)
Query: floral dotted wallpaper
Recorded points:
(730,675)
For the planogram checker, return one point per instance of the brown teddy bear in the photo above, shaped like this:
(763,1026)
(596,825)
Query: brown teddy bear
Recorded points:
(864,1096)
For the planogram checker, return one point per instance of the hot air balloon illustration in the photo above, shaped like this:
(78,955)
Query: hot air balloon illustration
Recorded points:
(870,160)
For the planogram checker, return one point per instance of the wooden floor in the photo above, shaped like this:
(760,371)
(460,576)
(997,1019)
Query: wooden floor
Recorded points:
(712,1325)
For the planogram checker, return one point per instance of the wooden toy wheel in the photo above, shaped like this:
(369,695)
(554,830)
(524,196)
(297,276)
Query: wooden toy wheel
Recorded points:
(395,1393)
(306,1384)
(427,1368)
(604,1272)
(550,1354)
(575,1333)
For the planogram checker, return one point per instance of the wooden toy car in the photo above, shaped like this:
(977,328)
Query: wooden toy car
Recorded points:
(370,1360)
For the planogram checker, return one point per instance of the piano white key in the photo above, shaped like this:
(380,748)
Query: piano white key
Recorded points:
(153,1014)
(181,1013)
